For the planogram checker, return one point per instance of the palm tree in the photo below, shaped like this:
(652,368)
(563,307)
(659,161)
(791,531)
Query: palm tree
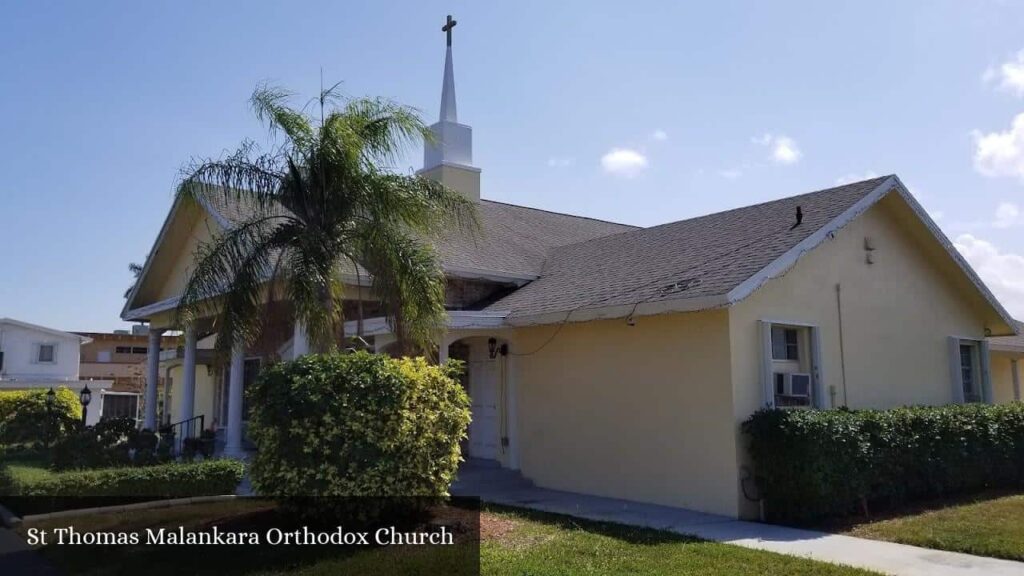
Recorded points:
(324,202)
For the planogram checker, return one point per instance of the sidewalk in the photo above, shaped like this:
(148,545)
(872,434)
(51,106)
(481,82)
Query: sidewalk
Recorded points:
(505,487)
(17,557)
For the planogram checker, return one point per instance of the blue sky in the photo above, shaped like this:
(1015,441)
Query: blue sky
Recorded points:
(640,113)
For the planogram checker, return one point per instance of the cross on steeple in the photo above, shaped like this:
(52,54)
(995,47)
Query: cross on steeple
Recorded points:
(447,28)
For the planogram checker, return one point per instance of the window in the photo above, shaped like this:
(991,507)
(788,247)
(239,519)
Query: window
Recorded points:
(785,343)
(46,354)
(120,406)
(969,372)
(131,350)
(103,356)
(791,369)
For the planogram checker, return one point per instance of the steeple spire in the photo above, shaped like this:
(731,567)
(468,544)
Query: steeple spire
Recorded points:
(449,158)
(449,113)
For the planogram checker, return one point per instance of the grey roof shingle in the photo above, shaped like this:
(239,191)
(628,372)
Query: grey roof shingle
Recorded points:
(516,239)
(1010,343)
(704,256)
(511,239)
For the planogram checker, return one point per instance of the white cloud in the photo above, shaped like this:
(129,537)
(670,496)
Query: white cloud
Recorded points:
(784,149)
(851,178)
(1010,75)
(659,135)
(560,161)
(1003,272)
(1001,153)
(730,173)
(1007,215)
(624,162)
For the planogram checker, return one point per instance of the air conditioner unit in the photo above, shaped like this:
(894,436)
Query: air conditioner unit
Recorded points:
(793,384)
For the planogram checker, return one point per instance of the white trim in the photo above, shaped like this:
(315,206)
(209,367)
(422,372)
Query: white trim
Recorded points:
(783,263)
(37,350)
(32,383)
(456,320)
(53,331)
(767,377)
(149,259)
(985,368)
(620,311)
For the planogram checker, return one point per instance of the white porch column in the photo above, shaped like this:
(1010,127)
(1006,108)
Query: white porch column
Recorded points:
(188,378)
(300,340)
(1015,366)
(233,446)
(442,347)
(152,378)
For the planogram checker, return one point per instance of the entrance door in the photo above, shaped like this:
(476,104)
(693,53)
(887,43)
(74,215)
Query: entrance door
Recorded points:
(484,399)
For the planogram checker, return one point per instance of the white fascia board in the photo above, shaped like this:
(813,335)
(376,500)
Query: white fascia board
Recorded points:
(155,308)
(44,329)
(457,320)
(783,263)
(620,311)
(30,383)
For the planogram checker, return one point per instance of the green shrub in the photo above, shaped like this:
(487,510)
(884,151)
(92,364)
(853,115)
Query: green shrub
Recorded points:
(816,463)
(24,416)
(357,424)
(176,480)
(111,442)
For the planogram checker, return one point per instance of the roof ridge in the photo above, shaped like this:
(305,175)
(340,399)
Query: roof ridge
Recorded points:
(747,207)
(562,213)
(879,179)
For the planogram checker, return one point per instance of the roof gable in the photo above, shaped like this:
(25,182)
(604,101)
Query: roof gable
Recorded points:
(44,330)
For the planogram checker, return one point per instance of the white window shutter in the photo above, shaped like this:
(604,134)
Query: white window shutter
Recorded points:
(956,376)
(817,373)
(986,373)
(767,382)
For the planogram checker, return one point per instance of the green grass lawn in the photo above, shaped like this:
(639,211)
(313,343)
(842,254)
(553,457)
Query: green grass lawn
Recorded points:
(517,542)
(513,542)
(986,526)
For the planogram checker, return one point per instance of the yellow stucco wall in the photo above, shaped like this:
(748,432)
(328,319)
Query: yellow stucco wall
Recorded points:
(206,381)
(1002,375)
(897,315)
(638,412)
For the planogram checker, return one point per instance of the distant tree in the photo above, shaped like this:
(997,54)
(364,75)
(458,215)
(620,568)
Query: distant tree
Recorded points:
(136,270)
(325,202)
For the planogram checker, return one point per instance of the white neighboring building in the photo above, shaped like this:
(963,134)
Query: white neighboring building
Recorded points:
(34,356)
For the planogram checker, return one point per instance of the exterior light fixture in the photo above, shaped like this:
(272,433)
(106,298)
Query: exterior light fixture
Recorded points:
(51,399)
(492,348)
(85,397)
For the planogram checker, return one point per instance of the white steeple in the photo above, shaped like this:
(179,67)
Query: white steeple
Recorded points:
(449,113)
(449,159)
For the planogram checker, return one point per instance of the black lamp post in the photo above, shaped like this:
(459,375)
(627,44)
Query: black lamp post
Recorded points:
(85,397)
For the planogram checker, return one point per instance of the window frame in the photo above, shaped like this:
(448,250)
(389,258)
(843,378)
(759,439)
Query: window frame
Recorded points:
(37,352)
(809,361)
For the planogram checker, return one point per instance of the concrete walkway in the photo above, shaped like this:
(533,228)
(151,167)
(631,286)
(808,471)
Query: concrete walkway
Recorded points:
(499,486)
(17,557)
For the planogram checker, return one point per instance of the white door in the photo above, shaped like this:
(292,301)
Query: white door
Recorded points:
(484,399)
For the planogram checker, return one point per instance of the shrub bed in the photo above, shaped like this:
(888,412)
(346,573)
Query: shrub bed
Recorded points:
(177,480)
(812,464)
(357,424)
(24,416)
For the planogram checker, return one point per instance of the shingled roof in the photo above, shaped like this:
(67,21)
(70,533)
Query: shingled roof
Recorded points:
(690,259)
(1009,343)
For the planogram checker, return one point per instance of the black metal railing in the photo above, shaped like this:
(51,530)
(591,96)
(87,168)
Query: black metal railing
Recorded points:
(179,432)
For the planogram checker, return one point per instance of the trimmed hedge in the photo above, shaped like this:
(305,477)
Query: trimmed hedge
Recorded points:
(357,424)
(178,480)
(811,464)
(24,416)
